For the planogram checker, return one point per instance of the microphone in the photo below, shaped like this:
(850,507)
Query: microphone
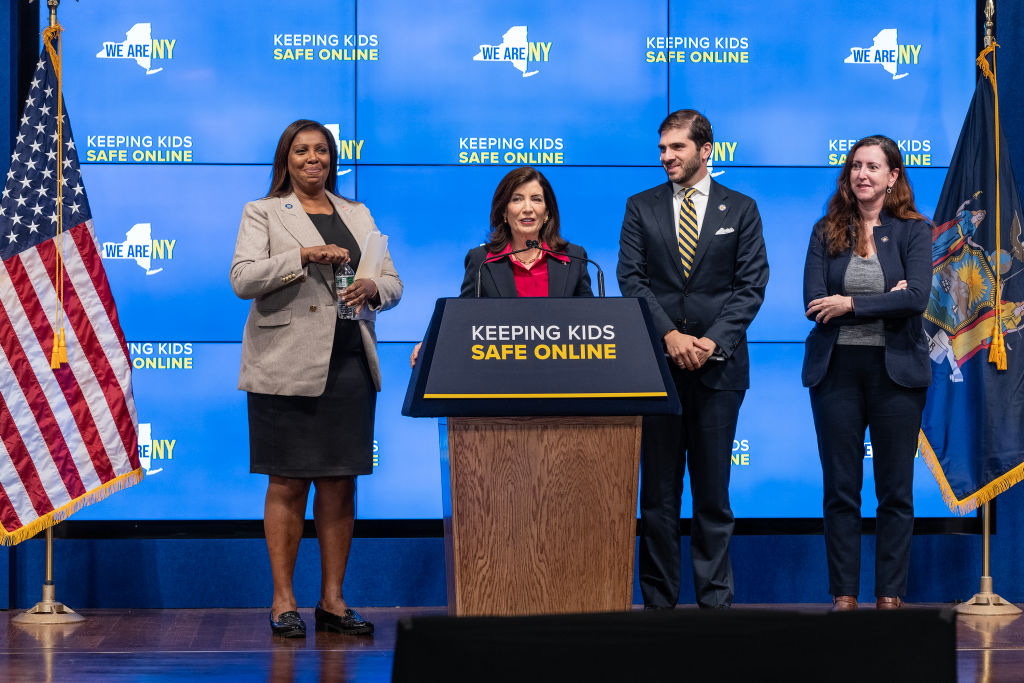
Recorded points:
(494,258)
(534,244)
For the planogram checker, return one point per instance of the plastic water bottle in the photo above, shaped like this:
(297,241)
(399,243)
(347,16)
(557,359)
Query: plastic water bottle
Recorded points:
(343,277)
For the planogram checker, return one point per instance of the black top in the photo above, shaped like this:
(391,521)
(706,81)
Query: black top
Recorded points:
(334,231)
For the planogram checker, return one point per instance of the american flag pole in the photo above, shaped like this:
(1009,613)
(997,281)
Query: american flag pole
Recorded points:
(49,610)
(67,415)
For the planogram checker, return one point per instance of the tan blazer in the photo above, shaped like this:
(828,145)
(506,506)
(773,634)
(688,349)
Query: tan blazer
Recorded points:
(286,344)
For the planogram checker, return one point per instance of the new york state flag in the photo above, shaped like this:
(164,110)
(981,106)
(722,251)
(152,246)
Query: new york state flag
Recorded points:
(973,427)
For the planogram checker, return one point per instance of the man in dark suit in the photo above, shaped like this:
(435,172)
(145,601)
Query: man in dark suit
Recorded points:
(694,250)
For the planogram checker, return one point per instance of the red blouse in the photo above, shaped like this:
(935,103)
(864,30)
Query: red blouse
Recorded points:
(532,281)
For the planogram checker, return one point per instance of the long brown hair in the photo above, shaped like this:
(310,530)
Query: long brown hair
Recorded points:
(843,214)
(280,181)
(501,233)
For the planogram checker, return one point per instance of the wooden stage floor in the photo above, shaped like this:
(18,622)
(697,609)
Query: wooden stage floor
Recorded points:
(235,644)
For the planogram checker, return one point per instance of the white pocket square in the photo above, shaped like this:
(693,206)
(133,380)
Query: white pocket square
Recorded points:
(725,231)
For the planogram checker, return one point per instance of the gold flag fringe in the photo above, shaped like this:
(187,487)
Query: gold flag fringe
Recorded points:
(963,506)
(997,351)
(60,514)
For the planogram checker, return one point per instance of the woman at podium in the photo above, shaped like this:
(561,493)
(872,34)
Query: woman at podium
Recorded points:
(867,278)
(309,364)
(525,254)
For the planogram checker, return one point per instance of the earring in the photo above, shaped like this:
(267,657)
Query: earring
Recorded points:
(888,190)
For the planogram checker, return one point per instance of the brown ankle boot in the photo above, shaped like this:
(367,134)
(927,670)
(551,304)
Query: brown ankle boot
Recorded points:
(844,603)
(888,603)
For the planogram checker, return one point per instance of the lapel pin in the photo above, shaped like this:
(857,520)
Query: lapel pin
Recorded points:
(885,239)
(287,206)
(721,207)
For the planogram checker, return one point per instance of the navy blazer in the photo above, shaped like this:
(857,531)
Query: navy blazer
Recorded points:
(725,288)
(497,279)
(905,253)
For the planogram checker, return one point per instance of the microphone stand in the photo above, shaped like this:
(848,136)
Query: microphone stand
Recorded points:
(534,244)
(495,259)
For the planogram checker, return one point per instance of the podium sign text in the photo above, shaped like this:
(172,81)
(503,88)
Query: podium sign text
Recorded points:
(537,356)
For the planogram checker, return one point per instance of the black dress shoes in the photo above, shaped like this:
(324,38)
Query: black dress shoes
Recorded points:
(348,623)
(288,625)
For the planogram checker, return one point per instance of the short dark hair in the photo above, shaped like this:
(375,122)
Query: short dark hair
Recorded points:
(501,233)
(691,120)
(280,181)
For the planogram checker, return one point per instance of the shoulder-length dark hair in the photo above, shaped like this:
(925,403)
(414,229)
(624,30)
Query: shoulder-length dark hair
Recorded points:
(842,211)
(280,181)
(501,233)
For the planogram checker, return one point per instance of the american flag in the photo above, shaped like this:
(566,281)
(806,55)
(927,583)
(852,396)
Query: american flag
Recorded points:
(68,436)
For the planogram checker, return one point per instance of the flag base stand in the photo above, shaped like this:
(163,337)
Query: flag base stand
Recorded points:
(49,611)
(987,603)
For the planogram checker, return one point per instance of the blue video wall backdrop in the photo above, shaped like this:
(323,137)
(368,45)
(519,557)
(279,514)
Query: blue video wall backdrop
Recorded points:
(178,104)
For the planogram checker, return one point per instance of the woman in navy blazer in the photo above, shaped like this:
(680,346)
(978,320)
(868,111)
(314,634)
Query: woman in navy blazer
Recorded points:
(866,283)
(524,209)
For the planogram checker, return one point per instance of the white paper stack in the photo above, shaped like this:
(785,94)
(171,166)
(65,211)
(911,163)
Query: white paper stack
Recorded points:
(375,246)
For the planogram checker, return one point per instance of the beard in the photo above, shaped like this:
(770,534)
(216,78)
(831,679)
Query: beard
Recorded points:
(689,169)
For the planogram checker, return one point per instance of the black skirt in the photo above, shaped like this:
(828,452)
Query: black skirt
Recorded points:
(330,435)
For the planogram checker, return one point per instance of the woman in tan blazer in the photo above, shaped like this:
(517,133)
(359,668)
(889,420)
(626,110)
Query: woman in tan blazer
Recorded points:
(311,376)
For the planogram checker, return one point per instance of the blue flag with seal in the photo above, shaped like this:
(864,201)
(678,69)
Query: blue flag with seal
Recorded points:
(972,434)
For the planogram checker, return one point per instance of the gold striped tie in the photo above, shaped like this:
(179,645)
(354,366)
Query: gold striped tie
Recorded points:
(686,232)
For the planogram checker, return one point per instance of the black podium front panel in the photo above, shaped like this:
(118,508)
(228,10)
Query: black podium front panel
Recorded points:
(540,356)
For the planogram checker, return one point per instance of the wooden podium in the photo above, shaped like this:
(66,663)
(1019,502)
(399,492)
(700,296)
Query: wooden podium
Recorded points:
(539,459)
(540,513)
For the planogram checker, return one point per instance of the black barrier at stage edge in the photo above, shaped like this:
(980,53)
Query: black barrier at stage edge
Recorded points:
(741,645)
(540,356)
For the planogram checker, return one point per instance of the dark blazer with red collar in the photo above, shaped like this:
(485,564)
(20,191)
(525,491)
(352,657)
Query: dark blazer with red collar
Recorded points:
(904,253)
(725,288)
(565,278)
